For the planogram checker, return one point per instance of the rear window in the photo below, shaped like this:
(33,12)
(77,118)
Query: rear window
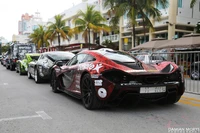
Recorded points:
(118,56)
(61,56)
(156,58)
(35,57)
(140,57)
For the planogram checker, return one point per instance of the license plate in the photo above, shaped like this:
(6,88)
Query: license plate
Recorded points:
(159,89)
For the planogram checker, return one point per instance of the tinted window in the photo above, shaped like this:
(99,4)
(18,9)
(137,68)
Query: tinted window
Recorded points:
(156,58)
(60,55)
(77,59)
(89,58)
(118,56)
(140,57)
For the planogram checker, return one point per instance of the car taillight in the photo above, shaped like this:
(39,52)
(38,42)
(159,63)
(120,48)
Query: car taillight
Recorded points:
(116,76)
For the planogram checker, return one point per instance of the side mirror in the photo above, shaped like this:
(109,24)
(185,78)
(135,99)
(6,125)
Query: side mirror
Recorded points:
(59,63)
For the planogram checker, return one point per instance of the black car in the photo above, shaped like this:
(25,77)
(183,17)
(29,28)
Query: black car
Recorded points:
(41,69)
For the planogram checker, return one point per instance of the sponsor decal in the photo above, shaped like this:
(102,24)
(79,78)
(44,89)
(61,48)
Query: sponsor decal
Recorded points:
(98,82)
(86,66)
(77,81)
(102,92)
(97,67)
(90,66)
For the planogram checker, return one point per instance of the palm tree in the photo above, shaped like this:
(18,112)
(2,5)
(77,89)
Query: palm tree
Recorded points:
(192,3)
(133,8)
(59,29)
(90,21)
(39,37)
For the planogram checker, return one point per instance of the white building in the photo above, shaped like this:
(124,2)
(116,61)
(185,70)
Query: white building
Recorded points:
(178,19)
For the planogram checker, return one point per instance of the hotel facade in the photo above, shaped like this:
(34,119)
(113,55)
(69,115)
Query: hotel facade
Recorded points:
(176,20)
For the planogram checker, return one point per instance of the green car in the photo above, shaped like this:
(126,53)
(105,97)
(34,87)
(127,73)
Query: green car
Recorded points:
(22,63)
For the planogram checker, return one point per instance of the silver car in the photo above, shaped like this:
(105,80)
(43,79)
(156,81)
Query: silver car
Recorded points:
(150,58)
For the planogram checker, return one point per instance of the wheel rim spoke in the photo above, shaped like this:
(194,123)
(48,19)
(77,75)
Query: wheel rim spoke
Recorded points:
(87,93)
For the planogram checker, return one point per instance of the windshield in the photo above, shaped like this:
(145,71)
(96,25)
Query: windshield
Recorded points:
(61,56)
(35,57)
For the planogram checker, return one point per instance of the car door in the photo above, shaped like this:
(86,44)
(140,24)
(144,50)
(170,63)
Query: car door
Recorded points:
(70,74)
(32,64)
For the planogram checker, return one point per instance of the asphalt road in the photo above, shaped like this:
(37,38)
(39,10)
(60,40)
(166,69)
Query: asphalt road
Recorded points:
(27,107)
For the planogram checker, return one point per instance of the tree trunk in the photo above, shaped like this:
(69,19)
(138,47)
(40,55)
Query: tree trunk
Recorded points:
(59,42)
(133,32)
(89,38)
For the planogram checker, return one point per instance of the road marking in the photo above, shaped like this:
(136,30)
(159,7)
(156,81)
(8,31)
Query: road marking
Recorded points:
(43,115)
(189,98)
(190,101)
(40,114)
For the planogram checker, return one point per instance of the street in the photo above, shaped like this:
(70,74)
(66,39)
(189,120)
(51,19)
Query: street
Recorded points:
(27,107)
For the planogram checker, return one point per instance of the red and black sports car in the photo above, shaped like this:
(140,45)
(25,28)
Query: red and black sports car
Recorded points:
(105,76)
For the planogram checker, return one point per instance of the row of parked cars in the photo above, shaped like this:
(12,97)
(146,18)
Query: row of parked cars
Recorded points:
(104,77)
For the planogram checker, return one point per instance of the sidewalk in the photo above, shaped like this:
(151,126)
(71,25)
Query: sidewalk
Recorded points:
(190,99)
(191,95)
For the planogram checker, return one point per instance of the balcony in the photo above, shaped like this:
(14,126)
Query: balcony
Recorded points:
(113,38)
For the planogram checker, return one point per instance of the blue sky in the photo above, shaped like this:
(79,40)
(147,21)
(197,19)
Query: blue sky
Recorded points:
(11,11)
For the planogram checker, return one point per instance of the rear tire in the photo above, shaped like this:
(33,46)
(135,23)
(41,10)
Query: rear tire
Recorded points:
(11,67)
(17,68)
(195,75)
(37,76)
(7,66)
(20,71)
(88,94)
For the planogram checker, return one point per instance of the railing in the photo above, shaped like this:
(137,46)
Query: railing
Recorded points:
(113,38)
(189,63)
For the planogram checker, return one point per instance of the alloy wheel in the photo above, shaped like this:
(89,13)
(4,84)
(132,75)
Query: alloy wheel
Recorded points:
(195,74)
(36,76)
(87,91)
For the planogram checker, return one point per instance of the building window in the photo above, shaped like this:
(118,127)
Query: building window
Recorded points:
(76,36)
(24,26)
(180,3)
